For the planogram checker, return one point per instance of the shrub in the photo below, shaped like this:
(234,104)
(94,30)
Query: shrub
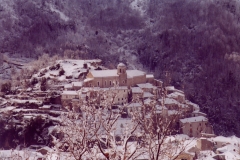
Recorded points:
(61,72)
(6,87)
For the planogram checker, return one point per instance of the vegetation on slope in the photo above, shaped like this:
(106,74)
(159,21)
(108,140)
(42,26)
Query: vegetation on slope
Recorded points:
(197,42)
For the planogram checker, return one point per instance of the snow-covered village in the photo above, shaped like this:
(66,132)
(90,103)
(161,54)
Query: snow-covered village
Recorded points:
(79,109)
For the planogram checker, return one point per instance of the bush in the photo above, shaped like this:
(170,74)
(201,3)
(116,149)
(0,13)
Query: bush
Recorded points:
(34,81)
(43,86)
(61,72)
(6,87)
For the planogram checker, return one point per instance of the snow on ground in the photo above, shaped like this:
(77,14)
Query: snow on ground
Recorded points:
(23,154)
(6,109)
(61,14)
(69,66)
(230,152)
(139,5)
(12,65)
(59,156)
(25,101)
(206,155)
(2,101)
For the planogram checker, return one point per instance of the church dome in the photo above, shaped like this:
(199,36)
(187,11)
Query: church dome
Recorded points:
(121,65)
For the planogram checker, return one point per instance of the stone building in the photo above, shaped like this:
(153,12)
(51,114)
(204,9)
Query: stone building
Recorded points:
(116,77)
(204,144)
(68,97)
(194,126)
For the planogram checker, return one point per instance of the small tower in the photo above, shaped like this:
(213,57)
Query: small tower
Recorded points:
(121,71)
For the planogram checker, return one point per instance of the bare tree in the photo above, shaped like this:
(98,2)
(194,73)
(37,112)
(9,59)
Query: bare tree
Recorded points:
(99,130)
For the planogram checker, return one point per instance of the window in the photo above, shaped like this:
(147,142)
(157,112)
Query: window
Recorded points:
(123,81)
(200,124)
(110,83)
(98,83)
(122,98)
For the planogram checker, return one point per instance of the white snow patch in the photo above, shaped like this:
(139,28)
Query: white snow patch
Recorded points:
(139,6)
(61,14)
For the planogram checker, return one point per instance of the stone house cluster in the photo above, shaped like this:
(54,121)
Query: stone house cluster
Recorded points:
(135,89)
(120,81)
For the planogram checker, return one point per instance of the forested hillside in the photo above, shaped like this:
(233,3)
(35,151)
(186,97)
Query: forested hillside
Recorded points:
(197,42)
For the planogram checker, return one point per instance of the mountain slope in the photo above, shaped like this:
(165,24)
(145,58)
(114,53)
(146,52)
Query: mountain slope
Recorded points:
(197,42)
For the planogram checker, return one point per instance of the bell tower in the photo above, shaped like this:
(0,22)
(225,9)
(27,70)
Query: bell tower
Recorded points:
(121,71)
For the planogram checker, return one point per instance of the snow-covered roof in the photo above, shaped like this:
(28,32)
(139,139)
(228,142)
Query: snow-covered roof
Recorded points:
(77,84)
(146,85)
(88,79)
(147,101)
(118,88)
(194,119)
(173,112)
(136,90)
(135,105)
(87,89)
(232,139)
(175,95)
(198,112)
(170,88)
(46,106)
(147,95)
(135,73)
(179,91)
(158,107)
(104,73)
(67,86)
(73,93)
(170,101)
(121,65)
(149,76)
(195,106)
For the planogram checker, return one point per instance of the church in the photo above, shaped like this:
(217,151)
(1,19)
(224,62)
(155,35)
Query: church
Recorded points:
(116,77)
